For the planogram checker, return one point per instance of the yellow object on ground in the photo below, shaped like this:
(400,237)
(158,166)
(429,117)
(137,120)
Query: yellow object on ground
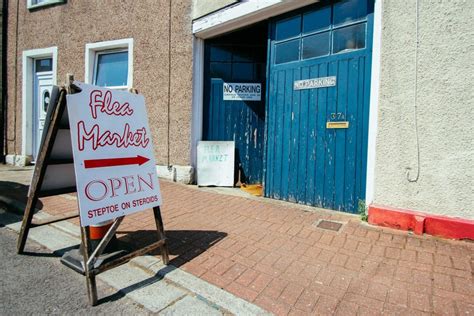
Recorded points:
(254,189)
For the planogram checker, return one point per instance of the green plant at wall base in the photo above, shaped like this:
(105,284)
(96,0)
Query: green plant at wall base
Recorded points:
(362,208)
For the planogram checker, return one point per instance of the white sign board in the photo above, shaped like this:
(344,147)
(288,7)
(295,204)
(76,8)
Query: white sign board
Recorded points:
(113,154)
(242,91)
(315,83)
(215,165)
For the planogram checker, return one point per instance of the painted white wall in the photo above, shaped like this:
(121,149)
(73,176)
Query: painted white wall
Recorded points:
(444,108)
(201,8)
(374,101)
(28,58)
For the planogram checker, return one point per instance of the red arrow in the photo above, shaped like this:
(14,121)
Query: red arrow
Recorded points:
(111,162)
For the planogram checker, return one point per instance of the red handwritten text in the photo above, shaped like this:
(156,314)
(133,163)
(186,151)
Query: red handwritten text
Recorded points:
(97,139)
(97,190)
(106,105)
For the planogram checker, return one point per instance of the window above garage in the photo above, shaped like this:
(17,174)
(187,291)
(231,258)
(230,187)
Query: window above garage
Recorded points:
(34,4)
(326,30)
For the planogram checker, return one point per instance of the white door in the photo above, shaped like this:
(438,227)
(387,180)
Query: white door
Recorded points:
(42,86)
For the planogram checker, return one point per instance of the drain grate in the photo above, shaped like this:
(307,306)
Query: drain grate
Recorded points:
(329,225)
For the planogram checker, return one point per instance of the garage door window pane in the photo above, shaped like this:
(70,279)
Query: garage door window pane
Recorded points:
(349,10)
(220,70)
(242,71)
(349,38)
(286,52)
(317,20)
(112,69)
(243,54)
(316,45)
(221,53)
(288,28)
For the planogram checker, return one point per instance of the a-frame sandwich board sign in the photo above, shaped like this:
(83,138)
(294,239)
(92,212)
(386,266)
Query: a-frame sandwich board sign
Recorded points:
(54,171)
(98,163)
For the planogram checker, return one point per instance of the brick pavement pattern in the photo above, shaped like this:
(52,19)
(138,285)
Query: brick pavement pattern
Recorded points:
(271,253)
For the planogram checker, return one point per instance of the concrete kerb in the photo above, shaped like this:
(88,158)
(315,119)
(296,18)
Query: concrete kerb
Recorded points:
(140,278)
(208,292)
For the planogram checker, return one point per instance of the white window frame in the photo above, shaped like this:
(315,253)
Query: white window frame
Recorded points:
(94,49)
(45,3)
(28,62)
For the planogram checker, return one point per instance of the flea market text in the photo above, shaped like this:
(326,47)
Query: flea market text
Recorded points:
(103,103)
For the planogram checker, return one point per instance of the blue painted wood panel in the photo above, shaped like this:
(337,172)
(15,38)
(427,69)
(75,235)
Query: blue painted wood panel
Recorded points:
(242,122)
(306,162)
(237,58)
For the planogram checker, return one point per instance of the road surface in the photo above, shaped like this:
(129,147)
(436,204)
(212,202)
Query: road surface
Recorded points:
(37,283)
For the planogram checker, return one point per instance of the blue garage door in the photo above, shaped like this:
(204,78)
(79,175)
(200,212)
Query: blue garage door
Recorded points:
(239,57)
(308,161)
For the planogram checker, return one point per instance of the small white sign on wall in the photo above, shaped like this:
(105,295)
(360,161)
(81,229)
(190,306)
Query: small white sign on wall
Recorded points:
(242,91)
(215,163)
(315,83)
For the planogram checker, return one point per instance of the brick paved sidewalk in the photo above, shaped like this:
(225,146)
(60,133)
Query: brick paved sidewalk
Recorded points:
(271,253)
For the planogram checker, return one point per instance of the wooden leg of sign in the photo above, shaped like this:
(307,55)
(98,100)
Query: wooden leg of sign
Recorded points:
(91,289)
(161,235)
(26,223)
(90,276)
(40,169)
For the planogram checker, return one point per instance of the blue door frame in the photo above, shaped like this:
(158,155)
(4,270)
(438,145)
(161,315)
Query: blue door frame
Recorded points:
(305,162)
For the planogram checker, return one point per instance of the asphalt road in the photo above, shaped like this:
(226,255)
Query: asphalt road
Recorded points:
(38,283)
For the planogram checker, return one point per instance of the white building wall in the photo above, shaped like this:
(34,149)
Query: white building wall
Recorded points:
(438,86)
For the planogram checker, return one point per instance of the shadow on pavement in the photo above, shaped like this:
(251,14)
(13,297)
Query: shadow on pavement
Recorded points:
(7,218)
(184,245)
(55,254)
(13,197)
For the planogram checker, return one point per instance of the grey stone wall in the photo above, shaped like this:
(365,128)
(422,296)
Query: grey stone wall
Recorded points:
(71,25)
(445,103)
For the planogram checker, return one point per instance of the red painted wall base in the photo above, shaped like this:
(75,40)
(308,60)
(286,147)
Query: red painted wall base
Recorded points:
(419,223)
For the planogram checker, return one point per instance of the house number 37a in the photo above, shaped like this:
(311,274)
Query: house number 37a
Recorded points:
(337,116)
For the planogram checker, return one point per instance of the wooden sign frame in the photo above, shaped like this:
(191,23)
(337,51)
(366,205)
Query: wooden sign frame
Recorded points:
(89,255)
